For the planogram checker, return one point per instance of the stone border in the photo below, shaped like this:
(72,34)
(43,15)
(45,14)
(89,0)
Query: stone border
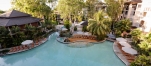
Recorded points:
(119,54)
(75,41)
(115,49)
(61,41)
(109,39)
(9,53)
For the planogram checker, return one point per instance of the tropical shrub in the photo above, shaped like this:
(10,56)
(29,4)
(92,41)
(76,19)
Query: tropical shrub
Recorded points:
(145,44)
(17,35)
(147,37)
(142,60)
(136,35)
(121,26)
(29,31)
(145,47)
(97,25)
(75,28)
(67,24)
(48,24)
(4,51)
(54,22)
(80,18)
(4,37)
(84,28)
(15,29)
(3,31)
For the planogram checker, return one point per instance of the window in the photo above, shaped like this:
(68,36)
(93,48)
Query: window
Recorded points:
(126,12)
(134,13)
(139,6)
(141,23)
(144,14)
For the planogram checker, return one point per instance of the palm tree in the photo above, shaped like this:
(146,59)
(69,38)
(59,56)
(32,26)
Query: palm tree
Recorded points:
(98,26)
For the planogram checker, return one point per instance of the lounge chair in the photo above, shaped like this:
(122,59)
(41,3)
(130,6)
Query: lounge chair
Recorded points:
(32,45)
(12,49)
(25,47)
(19,48)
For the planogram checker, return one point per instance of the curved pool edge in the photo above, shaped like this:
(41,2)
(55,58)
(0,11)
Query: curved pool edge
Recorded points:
(40,43)
(116,50)
(119,54)
(38,55)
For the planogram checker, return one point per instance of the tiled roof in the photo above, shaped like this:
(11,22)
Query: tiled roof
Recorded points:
(13,13)
(18,21)
(16,18)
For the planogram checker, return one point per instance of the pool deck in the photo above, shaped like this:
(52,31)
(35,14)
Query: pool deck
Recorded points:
(119,54)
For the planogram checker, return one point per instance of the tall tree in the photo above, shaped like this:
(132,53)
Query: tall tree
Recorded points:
(90,5)
(1,11)
(70,9)
(37,8)
(114,9)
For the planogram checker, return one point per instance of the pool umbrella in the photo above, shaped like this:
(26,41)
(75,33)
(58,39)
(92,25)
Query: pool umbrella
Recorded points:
(129,50)
(125,44)
(121,39)
(27,42)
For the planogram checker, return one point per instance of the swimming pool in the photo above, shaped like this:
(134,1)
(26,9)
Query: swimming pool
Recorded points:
(53,53)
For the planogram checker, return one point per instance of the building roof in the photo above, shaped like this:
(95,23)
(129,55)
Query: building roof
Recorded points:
(16,18)
(13,13)
(18,21)
(133,1)
(84,23)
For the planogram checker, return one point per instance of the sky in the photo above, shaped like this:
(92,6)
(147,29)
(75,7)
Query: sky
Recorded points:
(5,4)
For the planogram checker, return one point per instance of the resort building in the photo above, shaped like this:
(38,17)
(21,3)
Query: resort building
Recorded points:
(138,11)
(143,15)
(129,9)
(17,18)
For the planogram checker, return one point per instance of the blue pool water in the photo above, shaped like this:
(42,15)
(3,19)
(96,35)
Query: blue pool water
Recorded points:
(53,53)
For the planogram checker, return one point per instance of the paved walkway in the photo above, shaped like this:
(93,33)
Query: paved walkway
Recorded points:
(119,54)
